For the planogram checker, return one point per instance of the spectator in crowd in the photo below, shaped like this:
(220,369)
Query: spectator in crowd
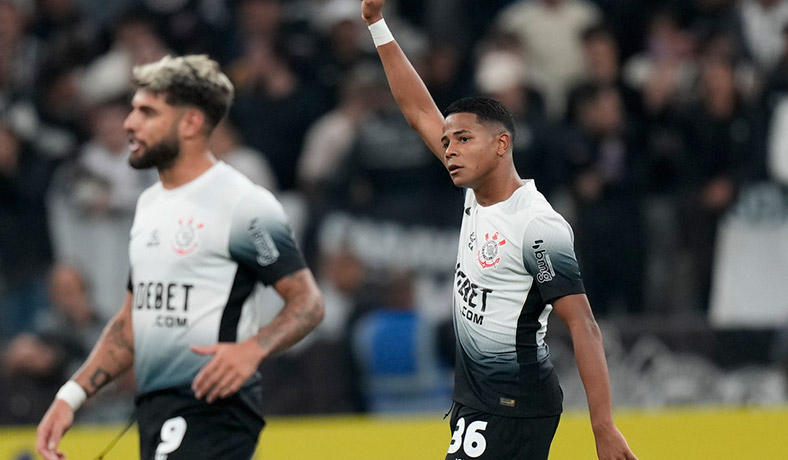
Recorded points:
(274,107)
(92,202)
(329,139)
(388,180)
(188,26)
(665,70)
(762,23)
(499,74)
(446,72)
(35,362)
(606,176)
(136,41)
(340,48)
(20,53)
(775,101)
(602,67)
(58,20)
(726,150)
(25,246)
(227,145)
(549,32)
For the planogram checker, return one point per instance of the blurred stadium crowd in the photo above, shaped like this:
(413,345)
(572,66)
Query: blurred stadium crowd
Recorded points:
(643,121)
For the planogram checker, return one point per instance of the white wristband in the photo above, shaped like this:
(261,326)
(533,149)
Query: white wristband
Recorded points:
(73,394)
(380,33)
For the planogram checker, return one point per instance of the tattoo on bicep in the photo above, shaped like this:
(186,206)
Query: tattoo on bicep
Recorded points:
(99,378)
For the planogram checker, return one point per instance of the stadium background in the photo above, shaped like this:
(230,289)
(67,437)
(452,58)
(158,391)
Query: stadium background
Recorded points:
(657,127)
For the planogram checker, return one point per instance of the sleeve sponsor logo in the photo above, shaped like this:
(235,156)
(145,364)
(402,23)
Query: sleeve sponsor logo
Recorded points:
(543,263)
(267,253)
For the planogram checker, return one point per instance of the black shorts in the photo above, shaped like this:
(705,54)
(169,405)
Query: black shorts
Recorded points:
(483,436)
(175,426)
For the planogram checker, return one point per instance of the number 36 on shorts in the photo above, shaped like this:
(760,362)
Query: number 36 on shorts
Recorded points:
(471,439)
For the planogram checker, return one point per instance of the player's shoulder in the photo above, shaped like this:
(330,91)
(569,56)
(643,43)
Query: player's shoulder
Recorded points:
(236,184)
(529,200)
(535,210)
(252,200)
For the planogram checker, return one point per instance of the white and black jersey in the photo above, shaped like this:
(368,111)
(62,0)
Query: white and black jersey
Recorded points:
(196,253)
(514,258)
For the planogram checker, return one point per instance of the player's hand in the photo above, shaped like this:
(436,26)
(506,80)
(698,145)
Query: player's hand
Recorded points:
(53,426)
(231,366)
(372,10)
(611,445)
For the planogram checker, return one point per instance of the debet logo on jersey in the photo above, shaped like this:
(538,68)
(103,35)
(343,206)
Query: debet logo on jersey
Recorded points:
(186,240)
(488,254)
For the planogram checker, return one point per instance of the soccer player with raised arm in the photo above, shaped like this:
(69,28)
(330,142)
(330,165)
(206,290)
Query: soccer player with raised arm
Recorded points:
(515,265)
(202,238)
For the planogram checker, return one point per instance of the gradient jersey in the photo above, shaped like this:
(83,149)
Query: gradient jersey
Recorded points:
(514,258)
(196,253)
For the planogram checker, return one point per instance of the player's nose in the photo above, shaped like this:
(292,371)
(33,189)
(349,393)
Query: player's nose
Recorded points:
(450,151)
(129,123)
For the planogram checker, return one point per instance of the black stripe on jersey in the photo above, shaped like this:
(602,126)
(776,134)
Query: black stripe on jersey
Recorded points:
(527,326)
(243,284)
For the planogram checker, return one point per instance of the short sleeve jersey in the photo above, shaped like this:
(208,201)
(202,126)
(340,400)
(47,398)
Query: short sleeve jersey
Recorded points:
(196,253)
(514,258)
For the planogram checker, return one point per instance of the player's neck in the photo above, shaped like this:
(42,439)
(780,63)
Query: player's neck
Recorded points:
(494,190)
(189,166)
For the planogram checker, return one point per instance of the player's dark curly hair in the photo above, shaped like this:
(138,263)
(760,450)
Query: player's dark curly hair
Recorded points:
(486,110)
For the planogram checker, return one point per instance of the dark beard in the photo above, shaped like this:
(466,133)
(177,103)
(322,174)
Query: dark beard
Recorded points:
(161,156)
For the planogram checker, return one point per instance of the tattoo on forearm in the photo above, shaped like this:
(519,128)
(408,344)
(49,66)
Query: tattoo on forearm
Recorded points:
(99,378)
(299,316)
(117,336)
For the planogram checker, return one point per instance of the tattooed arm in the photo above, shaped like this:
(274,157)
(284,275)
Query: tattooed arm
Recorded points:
(233,363)
(112,355)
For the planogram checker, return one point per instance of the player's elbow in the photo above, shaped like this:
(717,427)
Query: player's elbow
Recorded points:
(315,310)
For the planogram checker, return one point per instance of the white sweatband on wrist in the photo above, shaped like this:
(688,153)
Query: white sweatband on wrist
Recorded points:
(72,394)
(380,33)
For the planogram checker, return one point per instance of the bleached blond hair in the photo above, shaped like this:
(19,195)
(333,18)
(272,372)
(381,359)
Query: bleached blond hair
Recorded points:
(193,80)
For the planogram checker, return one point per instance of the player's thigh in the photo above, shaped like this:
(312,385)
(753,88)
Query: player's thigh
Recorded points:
(482,436)
(196,433)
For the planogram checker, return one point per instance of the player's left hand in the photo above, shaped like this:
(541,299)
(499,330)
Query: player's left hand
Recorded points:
(611,445)
(231,366)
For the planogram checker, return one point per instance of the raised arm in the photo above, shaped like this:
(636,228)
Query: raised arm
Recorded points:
(590,356)
(234,363)
(112,355)
(406,85)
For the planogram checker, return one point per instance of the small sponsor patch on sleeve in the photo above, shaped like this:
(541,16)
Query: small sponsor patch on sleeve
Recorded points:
(508,402)
(267,253)
(543,262)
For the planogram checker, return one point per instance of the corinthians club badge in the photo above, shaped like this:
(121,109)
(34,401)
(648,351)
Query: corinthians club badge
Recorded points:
(185,240)
(488,254)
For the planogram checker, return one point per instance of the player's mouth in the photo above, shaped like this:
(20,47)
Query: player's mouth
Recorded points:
(453,169)
(134,145)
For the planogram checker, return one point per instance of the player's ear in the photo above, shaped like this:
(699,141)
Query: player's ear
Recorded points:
(503,143)
(192,122)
